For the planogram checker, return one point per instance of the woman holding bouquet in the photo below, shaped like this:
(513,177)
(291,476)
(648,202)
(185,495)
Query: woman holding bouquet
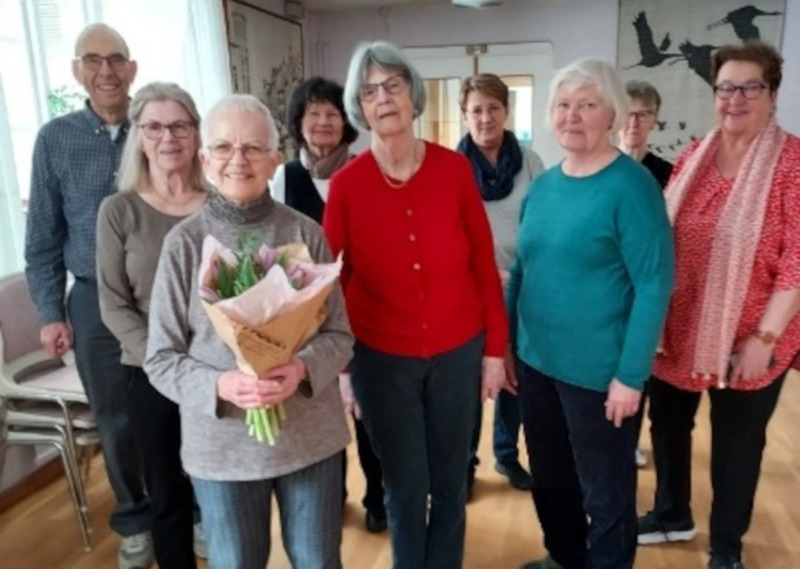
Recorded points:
(588,294)
(424,298)
(234,475)
(318,124)
(160,182)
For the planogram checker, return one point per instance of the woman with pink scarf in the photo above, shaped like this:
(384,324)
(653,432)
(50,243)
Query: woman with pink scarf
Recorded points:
(731,329)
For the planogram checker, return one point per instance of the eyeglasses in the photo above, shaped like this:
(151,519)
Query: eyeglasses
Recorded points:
(155,130)
(94,61)
(393,85)
(226,150)
(750,90)
(641,115)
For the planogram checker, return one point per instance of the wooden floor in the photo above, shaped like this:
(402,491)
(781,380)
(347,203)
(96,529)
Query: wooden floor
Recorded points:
(502,532)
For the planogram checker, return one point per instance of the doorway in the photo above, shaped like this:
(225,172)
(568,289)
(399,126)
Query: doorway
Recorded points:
(525,67)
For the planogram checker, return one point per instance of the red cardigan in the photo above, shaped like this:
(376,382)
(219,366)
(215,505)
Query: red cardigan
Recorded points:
(419,270)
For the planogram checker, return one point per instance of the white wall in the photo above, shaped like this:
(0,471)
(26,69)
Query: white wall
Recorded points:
(576,28)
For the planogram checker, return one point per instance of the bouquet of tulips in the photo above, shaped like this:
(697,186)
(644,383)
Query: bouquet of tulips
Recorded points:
(265,303)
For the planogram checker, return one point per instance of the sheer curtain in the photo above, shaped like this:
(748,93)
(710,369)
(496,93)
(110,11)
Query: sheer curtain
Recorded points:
(11,216)
(186,43)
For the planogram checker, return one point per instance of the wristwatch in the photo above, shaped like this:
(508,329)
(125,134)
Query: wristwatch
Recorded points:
(767,338)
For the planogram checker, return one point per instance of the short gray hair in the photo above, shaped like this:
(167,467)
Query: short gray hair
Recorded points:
(134,169)
(644,92)
(242,103)
(592,73)
(389,58)
(92,29)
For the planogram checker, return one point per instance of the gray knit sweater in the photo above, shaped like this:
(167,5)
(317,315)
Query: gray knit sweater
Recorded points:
(504,214)
(185,357)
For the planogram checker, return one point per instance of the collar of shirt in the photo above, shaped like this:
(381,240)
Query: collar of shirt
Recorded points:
(97,123)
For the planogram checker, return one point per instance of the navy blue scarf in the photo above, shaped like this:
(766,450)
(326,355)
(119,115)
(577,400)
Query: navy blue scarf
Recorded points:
(494,182)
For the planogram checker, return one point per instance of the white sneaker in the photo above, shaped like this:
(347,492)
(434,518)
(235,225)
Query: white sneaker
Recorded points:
(200,541)
(136,551)
(641,458)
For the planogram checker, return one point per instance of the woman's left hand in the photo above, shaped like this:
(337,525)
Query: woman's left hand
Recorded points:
(753,360)
(288,376)
(493,377)
(622,402)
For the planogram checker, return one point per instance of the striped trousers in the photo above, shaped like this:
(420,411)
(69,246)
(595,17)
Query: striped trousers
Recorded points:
(236,518)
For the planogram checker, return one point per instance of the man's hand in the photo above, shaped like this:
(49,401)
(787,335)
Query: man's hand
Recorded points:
(56,338)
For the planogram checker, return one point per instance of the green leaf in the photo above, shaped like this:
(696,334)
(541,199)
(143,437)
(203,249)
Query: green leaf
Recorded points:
(226,277)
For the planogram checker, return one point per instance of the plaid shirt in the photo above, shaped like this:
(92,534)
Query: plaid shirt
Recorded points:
(74,167)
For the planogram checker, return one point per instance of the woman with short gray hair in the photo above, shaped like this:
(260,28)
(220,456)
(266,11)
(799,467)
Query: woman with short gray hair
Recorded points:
(424,298)
(588,295)
(233,474)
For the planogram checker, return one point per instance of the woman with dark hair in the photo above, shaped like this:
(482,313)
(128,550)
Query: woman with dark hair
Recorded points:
(320,129)
(731,328)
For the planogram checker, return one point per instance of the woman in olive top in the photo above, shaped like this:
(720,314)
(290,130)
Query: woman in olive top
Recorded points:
(160,182)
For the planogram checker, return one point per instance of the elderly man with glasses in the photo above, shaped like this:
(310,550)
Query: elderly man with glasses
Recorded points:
(75,161)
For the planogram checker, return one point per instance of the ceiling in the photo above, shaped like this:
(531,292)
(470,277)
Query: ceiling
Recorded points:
(347,4)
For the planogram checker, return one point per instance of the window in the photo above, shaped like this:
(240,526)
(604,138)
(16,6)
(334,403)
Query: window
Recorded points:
(186,43)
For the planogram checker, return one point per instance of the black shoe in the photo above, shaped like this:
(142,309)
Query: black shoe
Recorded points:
(375,521)
(517,476)
(725,562)
(652,530)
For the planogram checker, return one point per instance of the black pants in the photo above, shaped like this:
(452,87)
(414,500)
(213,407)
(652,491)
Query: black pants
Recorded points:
(371,466)
(582,467)
(105,379)
(738,436)
(157,428)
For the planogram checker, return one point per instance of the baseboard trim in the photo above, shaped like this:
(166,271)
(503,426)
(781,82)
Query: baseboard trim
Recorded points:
(31,484)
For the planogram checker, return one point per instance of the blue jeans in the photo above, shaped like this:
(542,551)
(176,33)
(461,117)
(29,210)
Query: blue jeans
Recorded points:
(236,518)
(419,414)
(581,465)
(105,379)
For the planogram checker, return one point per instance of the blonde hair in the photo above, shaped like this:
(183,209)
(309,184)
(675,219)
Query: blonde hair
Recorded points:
(134,169)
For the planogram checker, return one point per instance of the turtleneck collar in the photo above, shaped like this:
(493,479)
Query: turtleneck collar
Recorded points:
(247,214)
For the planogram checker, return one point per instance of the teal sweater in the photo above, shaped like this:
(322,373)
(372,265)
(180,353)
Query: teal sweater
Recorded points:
(593,275)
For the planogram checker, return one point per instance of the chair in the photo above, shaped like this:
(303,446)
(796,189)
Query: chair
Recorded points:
(56,438)
(44,396)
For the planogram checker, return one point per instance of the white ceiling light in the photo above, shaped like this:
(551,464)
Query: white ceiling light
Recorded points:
(476,3)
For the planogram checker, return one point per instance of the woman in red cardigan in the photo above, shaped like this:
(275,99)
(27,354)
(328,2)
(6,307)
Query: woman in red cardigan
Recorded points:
(424,300)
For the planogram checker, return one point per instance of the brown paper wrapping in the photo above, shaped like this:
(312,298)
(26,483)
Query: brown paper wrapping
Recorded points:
(273,343)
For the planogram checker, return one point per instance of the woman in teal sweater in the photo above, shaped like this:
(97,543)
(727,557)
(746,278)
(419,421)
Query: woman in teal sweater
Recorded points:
(588,293)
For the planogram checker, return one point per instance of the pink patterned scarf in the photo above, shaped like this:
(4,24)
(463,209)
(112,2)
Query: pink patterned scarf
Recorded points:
(735,240)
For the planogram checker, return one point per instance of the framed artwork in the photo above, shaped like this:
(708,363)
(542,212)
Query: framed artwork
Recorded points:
(266,53)
(669,44)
